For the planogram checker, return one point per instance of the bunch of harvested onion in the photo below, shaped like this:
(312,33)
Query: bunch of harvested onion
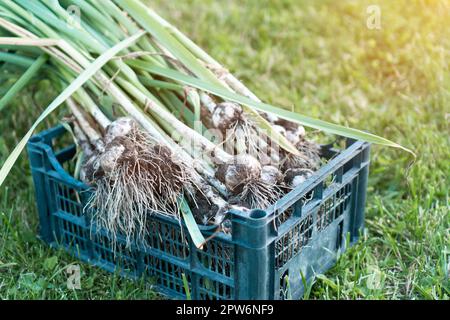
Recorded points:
(162,124)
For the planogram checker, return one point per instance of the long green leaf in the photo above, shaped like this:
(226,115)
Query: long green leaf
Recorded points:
(160,84)
(191,225)
(264,107)
(16,59)
(74,86)
(23,81)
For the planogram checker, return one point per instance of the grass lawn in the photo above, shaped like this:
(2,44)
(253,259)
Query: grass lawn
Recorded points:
(318,58)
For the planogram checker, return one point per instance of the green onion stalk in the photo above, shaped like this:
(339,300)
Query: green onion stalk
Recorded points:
(155,151)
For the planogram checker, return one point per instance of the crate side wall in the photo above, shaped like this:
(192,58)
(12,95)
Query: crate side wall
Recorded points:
(320,226)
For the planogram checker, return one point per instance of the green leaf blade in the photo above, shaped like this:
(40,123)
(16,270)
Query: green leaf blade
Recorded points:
(191,225)
(74,86)
(264,107)
(23,81)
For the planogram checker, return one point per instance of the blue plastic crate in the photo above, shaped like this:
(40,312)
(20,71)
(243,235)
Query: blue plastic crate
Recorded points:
(297,238)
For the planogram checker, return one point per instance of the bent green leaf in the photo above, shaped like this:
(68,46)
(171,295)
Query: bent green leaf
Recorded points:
(74,86)
(191,225)
(264,107)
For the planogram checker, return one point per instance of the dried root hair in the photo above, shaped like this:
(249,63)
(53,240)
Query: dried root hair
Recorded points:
(309,157)
(253,186)
(133,177)
(241,136)
(259,194)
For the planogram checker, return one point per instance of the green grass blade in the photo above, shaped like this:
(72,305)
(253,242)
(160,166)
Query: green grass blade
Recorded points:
(264,107)
(287,284)
(23,81)
(74,86)
(186,287)
(191,225)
